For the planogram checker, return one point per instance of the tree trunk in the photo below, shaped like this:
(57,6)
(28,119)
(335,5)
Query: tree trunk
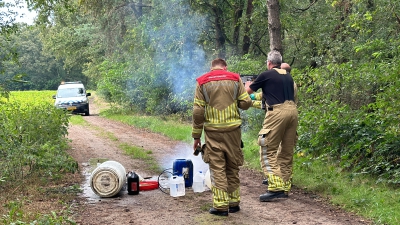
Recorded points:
(219,33)
(138,9)
(274,26)
(236,31)
(247,28)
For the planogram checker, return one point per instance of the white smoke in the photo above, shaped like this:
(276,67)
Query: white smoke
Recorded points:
(185,151)
(176,38)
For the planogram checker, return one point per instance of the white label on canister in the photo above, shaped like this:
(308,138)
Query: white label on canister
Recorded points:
(185,172)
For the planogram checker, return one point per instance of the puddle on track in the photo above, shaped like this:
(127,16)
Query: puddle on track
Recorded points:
(87,191)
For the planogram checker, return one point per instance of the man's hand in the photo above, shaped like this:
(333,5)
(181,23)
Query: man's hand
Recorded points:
(196,142)
(247,86)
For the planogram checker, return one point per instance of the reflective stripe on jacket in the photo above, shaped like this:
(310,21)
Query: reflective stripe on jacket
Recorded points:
(217,102)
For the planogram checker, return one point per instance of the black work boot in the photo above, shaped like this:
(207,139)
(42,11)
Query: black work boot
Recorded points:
(270,195)
(234,209)
(218,213)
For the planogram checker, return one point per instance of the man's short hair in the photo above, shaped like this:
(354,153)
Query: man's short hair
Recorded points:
(274,57)
(218,62)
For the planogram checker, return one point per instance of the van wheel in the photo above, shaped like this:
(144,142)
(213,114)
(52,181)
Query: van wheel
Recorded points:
(87,113)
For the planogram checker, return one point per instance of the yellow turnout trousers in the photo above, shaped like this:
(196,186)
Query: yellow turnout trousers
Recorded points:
(224,156)
(279,128)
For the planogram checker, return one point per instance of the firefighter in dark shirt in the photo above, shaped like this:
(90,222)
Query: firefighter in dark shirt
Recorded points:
(279,126)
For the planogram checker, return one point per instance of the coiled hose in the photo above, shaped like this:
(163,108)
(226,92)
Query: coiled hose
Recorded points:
(163,180)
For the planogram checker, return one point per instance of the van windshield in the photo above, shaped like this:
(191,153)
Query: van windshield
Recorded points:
(70,92)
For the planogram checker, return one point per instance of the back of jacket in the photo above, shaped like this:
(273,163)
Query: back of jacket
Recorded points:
(217,102)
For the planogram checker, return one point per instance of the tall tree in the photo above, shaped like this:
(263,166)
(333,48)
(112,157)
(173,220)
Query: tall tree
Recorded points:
(238,13)
(247,27)
(220,37)
(225,24)
(274,26)
(7,28)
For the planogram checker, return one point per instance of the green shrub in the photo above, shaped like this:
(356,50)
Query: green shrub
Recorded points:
(353,123)
(31,138)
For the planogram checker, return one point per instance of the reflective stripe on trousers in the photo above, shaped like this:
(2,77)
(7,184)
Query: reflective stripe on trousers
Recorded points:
(222,200)
(276,151)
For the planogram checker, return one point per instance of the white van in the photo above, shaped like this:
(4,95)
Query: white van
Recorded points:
(72,96)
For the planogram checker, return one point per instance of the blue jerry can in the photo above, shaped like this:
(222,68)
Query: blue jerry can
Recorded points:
(184,168)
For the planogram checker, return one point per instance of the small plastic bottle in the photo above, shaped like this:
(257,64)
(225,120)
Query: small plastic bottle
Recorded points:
(198,182)
(133,183)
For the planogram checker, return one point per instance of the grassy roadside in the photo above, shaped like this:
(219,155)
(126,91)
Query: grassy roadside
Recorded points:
(357,193)
(39,200)
(133,151)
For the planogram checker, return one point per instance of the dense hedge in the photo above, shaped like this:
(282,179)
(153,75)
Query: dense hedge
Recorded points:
(350,116)
(32,140)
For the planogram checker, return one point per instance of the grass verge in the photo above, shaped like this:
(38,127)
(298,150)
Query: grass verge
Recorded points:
(358,193)
(133,151)
(172,126)
(140,153)
(29,201)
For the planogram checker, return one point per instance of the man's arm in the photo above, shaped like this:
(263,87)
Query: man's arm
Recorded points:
(247,86)
(244,100)
(198,113)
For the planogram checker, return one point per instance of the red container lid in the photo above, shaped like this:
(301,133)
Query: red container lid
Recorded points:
(147,185)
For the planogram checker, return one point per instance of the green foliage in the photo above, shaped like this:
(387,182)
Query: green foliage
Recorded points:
(15,213)
(246,64)
(356,192)
(54,219)
(112,86)
(348,116)
(31,136)
(16,216)
(34,68)
(163,60)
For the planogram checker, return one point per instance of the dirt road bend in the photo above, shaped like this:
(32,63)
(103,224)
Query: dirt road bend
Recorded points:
(100,138)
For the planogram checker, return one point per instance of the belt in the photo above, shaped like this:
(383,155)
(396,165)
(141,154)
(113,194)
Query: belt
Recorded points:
(270,109)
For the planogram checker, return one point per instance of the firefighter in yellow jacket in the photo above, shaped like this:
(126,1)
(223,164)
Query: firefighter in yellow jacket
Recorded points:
(218,96)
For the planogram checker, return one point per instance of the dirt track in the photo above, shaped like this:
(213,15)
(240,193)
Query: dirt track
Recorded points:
(156,207)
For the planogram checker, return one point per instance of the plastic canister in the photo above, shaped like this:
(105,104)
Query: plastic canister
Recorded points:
(198,182)
(176,186)
(133,183)
(184,168)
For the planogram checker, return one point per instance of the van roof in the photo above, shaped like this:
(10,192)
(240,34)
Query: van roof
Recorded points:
(71,85)
(71,82)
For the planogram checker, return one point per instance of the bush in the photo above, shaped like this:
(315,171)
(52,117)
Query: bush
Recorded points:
(31,138)
(352,122)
